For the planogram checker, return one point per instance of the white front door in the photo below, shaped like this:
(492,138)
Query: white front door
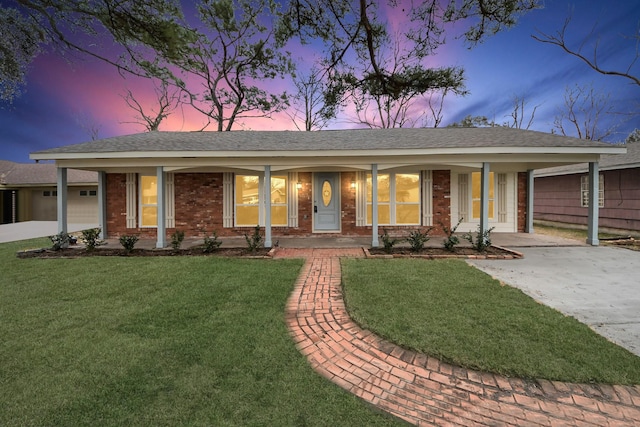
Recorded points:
(326,201)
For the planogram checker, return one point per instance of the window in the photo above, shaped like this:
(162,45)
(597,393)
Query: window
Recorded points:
(476,191)
(48,193)
(148,201)
(584,190)
(398,199)
(247,202)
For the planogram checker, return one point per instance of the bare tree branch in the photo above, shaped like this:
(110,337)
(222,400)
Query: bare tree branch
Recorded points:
(559,39)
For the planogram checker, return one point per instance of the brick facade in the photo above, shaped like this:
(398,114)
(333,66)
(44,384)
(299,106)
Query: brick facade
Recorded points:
(199,207)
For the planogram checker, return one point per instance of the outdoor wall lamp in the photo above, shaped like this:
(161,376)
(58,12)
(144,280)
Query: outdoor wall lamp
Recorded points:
(299,185)
(353,184)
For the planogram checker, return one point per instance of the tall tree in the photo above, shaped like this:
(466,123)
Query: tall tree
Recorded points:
(583,114)
(167,100)
(309,102)
(352,35)
(518,114)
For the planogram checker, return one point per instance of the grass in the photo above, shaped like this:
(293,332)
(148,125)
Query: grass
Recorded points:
(157,341)
(459,314)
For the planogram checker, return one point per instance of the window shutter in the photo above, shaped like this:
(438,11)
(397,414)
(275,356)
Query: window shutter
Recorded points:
(463,196)
(427,197)
(361,199)
(502,197)
(131,205)
(227,199)
(170,202)
(292,202)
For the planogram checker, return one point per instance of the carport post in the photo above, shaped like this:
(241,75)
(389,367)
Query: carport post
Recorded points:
(374,206)
(162,211)
(62,200)
(267,210)
(102,203)
(530,188)
(484,201)
(594,192)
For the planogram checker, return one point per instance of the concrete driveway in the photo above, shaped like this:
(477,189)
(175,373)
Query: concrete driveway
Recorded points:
(599,286)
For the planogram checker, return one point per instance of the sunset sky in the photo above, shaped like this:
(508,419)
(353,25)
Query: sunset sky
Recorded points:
(63,101)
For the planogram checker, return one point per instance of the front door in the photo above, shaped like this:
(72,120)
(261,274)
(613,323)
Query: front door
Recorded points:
(326,201)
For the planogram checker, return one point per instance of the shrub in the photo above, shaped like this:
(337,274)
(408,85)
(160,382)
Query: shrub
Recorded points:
(176,239)
(482,240)
(60,241)
(255,240)
(417,239)
(388,242)
(128,242)
(451,241)
(211,243)
(91,237)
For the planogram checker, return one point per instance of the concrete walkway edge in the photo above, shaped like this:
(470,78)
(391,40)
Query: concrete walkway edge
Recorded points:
(421,389)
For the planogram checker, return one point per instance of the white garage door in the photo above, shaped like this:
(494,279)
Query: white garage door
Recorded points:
(82,205)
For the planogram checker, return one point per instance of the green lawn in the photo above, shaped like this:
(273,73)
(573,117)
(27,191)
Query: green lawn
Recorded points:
(457,313)
(157,341)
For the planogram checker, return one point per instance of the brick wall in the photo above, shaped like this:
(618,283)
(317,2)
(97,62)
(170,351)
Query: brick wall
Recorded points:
(522,201)
(199,207)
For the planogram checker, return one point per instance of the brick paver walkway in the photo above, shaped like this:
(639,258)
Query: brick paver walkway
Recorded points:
(421,389)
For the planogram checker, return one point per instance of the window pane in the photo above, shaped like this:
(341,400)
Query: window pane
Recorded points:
(149,190)
(149,216)
(247,190)
(383,188)
(407,214)
(279,215)
(278,189)
(476,183)
(383,214)
(408,188)
(247,215)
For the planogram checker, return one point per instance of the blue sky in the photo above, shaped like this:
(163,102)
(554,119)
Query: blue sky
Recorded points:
(63,99)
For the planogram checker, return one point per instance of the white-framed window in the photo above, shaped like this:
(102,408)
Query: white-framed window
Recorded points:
(148,201)
(584,191)
(48,193)
(398,199)
(88,193)
(248,196)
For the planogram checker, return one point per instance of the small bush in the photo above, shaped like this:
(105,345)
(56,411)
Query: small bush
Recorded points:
(388,242)
(128,242)
(254,242)
(91,237)
(211,243)
(482,240)
(176,239)
(60,241)
(451,241)
(417,239)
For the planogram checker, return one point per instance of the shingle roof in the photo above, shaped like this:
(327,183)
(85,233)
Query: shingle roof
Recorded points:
(353,139)
(43,173)
(607,162)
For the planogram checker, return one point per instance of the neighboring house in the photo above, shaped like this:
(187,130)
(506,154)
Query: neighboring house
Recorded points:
(28,192)
(561,192)
(342,182)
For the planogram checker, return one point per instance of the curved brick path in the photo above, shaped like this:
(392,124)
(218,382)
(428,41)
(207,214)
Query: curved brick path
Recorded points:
(421,389)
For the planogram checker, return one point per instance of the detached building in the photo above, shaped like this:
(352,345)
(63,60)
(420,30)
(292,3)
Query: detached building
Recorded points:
(28,192)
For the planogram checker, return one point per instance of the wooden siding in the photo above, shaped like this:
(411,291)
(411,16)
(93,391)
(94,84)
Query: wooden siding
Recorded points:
(557,198)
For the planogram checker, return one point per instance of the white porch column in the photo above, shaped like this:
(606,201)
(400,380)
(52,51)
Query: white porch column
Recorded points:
(61,200)
(267,210)
(102,203)
(162,214)
(484,200)
(374,206)
(530,187)
(592,218)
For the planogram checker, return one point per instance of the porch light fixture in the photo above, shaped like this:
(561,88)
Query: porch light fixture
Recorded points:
(299,185)
(353,184)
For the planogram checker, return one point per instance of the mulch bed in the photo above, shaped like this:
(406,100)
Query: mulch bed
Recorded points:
(492,252)
(79,252)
